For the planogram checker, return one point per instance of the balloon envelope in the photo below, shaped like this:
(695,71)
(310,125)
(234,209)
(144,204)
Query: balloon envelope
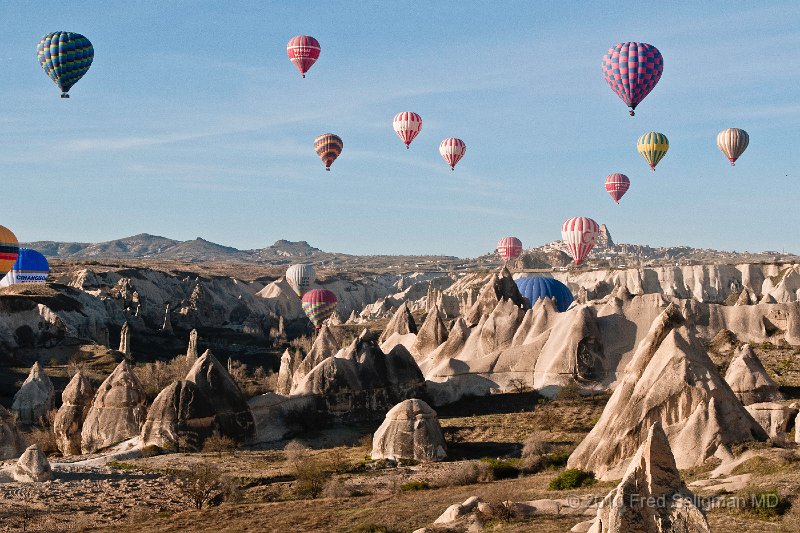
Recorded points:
(452,151)
(407,125)
(9,250)
(303,51)
(328,147)
(653,147)
(617,185)
(300,277)
(632,70)
(580,235)
(30,267)
(509,248)
(65,57)
(733,142)
(536,287)
(318,305)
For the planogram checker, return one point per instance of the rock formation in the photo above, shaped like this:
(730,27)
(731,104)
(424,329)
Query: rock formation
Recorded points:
(749,379)
(402,323)
(75,403)
(191,351)
(501,286)
(233,416)
(325,345)
(124,339)
(432,333)
(773,417)
(669,380)
(651,497)
(34,399)
(32,467)
(180,418)
(290,362)
(11,441)
(117,412)
(167,326)
(362,382)
(410,430)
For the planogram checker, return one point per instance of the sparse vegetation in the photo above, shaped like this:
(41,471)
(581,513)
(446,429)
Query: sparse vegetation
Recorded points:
(155,376)
(572,478)
(766,505)
(201,484)
(219,444)
(414,484)
(503,468)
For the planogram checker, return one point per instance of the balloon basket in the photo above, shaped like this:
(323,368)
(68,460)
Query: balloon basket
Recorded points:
(64,95)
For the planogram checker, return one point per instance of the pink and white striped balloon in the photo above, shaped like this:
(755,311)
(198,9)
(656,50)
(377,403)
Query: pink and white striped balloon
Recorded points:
(407,126)
(733,142)
(452,151)
(509,248)
(617,185)
(580,235)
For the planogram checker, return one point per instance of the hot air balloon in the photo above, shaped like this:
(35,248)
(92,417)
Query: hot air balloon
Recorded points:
(328,147)
(65,57)
(407,125)
(303,51)
(509,248)
(617,185)
(9,250)
(653,146)
(452,151)
(579,234)
(536,287)
(733,142)
(632,70)
(300,277)
(30,267)
(318,305)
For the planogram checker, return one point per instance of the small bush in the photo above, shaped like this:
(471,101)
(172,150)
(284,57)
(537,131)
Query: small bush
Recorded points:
(572,478)
(201,484)
(219,444)
(535,445)
(45,439)
(414,485)
(336,489)
(767,505)
(503,468)
(311,473)
(571,392)
(500,511)
(556,459)
(374,528)
(464,474)
(157,375)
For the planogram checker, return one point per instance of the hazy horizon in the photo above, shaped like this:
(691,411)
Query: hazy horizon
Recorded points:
(192,121)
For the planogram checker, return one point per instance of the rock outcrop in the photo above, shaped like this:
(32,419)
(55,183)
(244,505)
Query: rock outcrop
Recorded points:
(501,286)
(75,403)
(125,339)
(33,466)
(773,417)
(233,416)
(432,333)
(749,379)
(651,497)
(180,418)
(401,323)
(117,412)
(362,382)
(33,401)
(325,345)
(290,361)
(670,380)
(410,430)
(191,351)
(11,441)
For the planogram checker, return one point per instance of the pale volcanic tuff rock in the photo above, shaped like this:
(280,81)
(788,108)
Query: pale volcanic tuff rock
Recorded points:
(325,345)
(410,430)
(670,380)
(11,441)
(191,350)
(125,339)
(501,286)
(773,417)
(34,399)
(32,466)
(180,418)
(75,403)
(361,382)
(402,323)
(432,333)
(749,379)
(290,361)
(117,412)
(652,473)
(233,416)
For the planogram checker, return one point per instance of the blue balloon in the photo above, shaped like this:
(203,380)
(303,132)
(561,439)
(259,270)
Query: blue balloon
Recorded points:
(535,287)
(30,267)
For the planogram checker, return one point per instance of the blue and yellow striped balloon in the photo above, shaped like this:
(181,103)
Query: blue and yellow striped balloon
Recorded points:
(653,146)
(65,57)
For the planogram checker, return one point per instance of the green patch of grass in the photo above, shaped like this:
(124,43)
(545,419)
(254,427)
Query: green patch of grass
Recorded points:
(572,478)
(415,484)
(557,459)
(503,468)
(767,505)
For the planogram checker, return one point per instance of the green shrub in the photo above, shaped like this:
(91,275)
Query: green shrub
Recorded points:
(767,505)
(503,468)
(414,484)
(571,479)
(557,459)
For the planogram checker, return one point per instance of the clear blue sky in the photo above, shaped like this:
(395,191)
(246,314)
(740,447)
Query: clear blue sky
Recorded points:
(192,122)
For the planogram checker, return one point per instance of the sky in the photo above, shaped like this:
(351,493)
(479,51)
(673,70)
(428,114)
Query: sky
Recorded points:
(192,122)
